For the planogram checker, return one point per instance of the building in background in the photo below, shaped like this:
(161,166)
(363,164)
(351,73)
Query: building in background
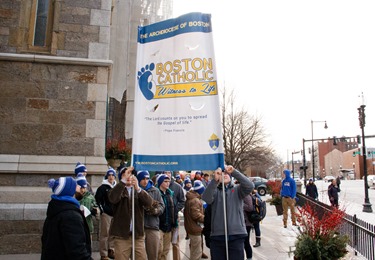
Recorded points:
(67,71)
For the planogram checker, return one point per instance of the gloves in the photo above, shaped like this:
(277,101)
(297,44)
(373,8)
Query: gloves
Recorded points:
(94,211)
(153,209)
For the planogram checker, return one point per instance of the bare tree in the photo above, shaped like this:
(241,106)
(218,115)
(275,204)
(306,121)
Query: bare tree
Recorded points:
(244,138)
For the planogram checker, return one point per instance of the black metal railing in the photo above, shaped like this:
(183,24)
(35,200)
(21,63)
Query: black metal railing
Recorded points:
(361,234)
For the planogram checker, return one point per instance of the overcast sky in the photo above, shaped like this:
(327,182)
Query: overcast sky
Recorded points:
(290,62)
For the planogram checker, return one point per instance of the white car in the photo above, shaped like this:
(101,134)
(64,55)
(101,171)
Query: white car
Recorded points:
(329,178)
(371,181)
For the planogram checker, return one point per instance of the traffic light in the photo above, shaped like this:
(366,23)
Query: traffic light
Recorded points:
(358,139)
(334,140)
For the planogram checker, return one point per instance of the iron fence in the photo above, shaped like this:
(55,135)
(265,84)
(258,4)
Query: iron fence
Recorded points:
(361,234)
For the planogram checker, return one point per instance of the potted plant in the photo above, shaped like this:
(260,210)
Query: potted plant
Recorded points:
(277,202)
(274,188)
(117,152)
(319,237)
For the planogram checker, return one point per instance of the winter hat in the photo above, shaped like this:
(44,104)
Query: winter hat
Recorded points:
(81,180)
(178,177)
(187,180)
(64,186)
(80,167)
(198,186)
(142,174)
(161,179)
(121,171)
(110,171)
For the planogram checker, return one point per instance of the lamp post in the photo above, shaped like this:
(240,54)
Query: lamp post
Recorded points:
(312,144)
(293,153)
(361,111)
(304,161)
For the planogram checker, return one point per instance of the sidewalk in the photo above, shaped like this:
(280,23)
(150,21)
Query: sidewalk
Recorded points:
(277,242)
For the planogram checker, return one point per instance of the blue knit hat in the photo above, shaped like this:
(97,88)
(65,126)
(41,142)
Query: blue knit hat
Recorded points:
(81,180)
(199,173)
(187,180)
(64,186)
(80,167)
(121,171)
(142,174)
(161,179)
(178,177)
(198,187)
(110,171)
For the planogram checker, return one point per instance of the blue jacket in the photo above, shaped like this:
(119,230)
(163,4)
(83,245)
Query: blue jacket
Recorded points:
(288,186)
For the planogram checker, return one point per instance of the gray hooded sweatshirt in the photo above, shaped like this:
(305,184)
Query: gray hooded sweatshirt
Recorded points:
(234,205)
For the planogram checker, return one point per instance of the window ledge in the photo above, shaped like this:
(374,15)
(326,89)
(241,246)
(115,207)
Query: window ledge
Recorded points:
(54,59)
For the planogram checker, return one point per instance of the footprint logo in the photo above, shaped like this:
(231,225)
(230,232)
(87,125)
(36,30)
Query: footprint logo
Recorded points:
(145,81)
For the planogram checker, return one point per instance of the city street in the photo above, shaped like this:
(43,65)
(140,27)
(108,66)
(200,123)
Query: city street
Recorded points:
(351,198)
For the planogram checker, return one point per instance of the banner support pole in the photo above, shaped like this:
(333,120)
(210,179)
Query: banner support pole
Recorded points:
(225,215)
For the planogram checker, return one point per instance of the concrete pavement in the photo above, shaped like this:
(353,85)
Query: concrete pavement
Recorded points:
(277,242)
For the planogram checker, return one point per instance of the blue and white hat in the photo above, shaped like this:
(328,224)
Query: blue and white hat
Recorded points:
(81,180)
(80,167)
(161,179)
(110,171)
(64,186)
(198,186)
(142,174)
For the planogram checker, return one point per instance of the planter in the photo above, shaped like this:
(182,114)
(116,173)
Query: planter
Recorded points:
(114,163)
(279,209)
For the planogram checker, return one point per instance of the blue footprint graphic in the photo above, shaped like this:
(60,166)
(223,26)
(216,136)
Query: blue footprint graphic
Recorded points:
(145,81)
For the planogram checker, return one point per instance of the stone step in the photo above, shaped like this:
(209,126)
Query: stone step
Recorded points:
(41,180)
(24,194)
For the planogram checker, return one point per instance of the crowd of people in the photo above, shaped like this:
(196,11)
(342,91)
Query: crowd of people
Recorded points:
(143,212)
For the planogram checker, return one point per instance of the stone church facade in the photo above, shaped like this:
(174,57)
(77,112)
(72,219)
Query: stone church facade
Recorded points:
(57,68)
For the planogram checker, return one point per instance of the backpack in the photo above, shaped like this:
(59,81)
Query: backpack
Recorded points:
(259,211)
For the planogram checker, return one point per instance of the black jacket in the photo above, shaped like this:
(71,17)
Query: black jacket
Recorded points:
(169,218)
(66,234)
(101,197)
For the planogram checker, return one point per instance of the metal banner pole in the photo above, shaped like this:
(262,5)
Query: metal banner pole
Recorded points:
(225,215)
(133,220)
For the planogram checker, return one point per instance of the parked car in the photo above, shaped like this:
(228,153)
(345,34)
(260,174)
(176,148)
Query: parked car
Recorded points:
(260,185)
(371,181)
(329,178)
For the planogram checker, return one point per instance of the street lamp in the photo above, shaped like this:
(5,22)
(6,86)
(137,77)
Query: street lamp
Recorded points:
(312,144)
(293,153)
(361,111)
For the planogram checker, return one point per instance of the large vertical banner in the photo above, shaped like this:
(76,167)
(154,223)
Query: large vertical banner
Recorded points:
(177,111)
